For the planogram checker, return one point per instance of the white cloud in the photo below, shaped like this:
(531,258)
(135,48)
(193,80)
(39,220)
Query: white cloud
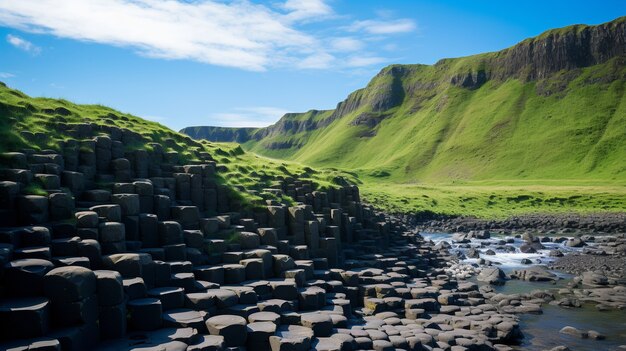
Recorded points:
(403,25)
(362,61)
(346,44)
(307,9)
(23,44)
(243,34)
(248,117)
(5,75)
(390,47)
(319,60)
(238,34)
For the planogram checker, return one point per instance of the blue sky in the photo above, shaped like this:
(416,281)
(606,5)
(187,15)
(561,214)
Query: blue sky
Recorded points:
(245,63)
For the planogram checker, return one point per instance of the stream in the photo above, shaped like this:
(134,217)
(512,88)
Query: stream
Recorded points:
(542,331)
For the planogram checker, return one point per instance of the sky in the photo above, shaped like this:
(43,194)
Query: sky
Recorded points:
(245,63)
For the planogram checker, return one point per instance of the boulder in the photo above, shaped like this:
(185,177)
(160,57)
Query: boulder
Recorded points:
(69,284)
(24,318)
(61,206)
(112,213)
(264,317)
(575,242)
(535,273)
(259,334)
(145,314)
(32,209)
(292,338)
(26,276)
(110,287)
(574,332)
(86,219)
(249,240)
(110,232)
(594,279)
(492,275)
(170,233)
(207,343)
(321,324)
(129,203)
(231,327)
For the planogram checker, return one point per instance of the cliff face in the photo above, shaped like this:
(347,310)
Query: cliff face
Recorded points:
(220,134)
(562,49)
(295,123)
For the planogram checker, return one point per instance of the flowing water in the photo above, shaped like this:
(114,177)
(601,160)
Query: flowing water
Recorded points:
(542,331)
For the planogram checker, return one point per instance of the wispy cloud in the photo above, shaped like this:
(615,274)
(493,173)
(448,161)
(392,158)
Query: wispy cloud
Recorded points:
(5,75)
(307,9)
(23,44)
(346,44)
(260,116)
(320,60)
(363,61)
(242,34)
(403,25)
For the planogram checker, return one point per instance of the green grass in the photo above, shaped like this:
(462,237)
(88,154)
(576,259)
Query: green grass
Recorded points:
(34,189)
(504,130)
(47,124)
(496,199)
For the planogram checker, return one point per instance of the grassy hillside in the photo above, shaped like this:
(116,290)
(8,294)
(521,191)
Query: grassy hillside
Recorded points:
(547,112)
(504,130)
(51,124)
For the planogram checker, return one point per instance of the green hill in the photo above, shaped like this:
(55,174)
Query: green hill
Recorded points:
(59,126)
(549,108)
(518,113)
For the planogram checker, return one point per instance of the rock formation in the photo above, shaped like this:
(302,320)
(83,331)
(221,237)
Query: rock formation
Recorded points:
(129,250)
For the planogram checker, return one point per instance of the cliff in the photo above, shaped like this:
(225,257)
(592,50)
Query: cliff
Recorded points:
(479,116)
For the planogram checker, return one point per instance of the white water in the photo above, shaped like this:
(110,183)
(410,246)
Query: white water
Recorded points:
(506,260)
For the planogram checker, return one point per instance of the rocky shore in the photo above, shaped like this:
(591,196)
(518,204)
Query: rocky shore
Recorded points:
(607,222)
(597,264)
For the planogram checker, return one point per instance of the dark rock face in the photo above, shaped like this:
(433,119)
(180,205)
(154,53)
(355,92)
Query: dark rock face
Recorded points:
(564,49)
(471,80)
(291,124)
(220,134)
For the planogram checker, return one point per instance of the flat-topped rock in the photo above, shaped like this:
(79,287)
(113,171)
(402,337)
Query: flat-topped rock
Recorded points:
(292,338)
(145,314)
(321,324)
(231,327)
(24,317)
(69,284)
(26,276)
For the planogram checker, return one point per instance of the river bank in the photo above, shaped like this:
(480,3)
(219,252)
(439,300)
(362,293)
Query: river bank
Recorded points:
(547,223)
(579,293)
